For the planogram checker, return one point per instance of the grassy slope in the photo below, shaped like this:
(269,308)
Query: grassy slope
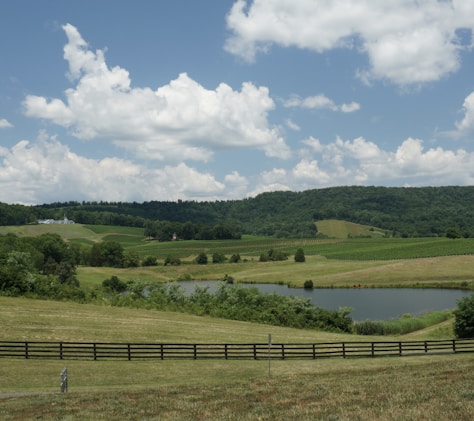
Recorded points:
(24,319)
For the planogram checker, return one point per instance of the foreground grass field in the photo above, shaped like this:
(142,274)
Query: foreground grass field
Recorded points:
(406,388)
(431,387)
(428,388)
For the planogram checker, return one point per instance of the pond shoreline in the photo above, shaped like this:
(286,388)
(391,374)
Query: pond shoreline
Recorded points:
(366,303)
(421,285)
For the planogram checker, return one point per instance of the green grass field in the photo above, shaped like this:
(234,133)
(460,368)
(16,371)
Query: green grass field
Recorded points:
(407,388)
(447,272)
(423,387)
(342,229)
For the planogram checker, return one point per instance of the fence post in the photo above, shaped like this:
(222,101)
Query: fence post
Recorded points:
(26,350)
(195,351)
(343,350)
(225,351)
(426,346)
(373,349)
(454,345)
(254,351)
(400,349)
(64,380)
(314,351)
(60,350)
(129,351)
(95,351)
(162,356)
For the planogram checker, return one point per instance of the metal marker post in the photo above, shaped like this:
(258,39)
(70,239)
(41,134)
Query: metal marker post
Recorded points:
(269,352)
(64,380)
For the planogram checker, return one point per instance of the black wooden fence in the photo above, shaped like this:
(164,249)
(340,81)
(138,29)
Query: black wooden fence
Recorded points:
(161,351)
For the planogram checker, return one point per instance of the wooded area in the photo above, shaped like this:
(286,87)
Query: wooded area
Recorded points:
(402,212)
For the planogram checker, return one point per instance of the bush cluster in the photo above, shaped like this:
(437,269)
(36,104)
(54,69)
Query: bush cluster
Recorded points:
(404,325)
(464,318)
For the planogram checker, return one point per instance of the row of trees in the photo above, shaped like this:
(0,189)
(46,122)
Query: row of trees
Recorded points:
(167,231)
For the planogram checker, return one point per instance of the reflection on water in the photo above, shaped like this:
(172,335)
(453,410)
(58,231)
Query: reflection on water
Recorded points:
(367,303)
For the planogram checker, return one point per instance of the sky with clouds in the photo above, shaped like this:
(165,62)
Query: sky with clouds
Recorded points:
(121,100)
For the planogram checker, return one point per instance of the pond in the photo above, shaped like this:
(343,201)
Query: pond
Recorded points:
(367,303)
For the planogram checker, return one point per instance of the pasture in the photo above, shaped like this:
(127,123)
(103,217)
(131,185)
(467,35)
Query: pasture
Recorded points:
(430,387)
(412,387)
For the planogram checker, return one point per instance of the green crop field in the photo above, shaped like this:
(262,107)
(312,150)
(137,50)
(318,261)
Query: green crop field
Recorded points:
(252,246)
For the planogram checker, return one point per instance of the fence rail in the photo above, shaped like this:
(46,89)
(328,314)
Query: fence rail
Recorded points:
(256,351)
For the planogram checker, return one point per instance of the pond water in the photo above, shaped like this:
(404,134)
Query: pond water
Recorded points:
(367,303)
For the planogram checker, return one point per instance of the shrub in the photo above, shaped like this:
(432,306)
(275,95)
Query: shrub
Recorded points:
(228,279)
(369,328)
(464,318)
(149,261)
(299,256)
(308,284)
(218,258)
(201,259)
(174,261)
(401,326)
(114,284)
(273,256)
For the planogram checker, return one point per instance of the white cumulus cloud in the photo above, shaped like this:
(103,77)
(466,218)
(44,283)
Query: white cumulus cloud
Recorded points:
(320,102)
(179,121)
(46,171)
(362,162)
(5,124)
(467,123)
(406,41)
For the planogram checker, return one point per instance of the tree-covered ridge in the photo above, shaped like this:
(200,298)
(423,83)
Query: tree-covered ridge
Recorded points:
(412,212)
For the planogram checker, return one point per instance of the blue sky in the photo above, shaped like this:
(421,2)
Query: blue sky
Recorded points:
(213,100)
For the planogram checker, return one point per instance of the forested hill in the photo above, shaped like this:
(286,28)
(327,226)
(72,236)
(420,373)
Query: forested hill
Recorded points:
(424,211)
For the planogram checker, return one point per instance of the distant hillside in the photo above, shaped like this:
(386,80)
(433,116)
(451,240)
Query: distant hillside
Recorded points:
(406,212)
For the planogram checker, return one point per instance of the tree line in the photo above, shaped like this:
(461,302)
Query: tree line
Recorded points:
(403,212)
(167,231)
